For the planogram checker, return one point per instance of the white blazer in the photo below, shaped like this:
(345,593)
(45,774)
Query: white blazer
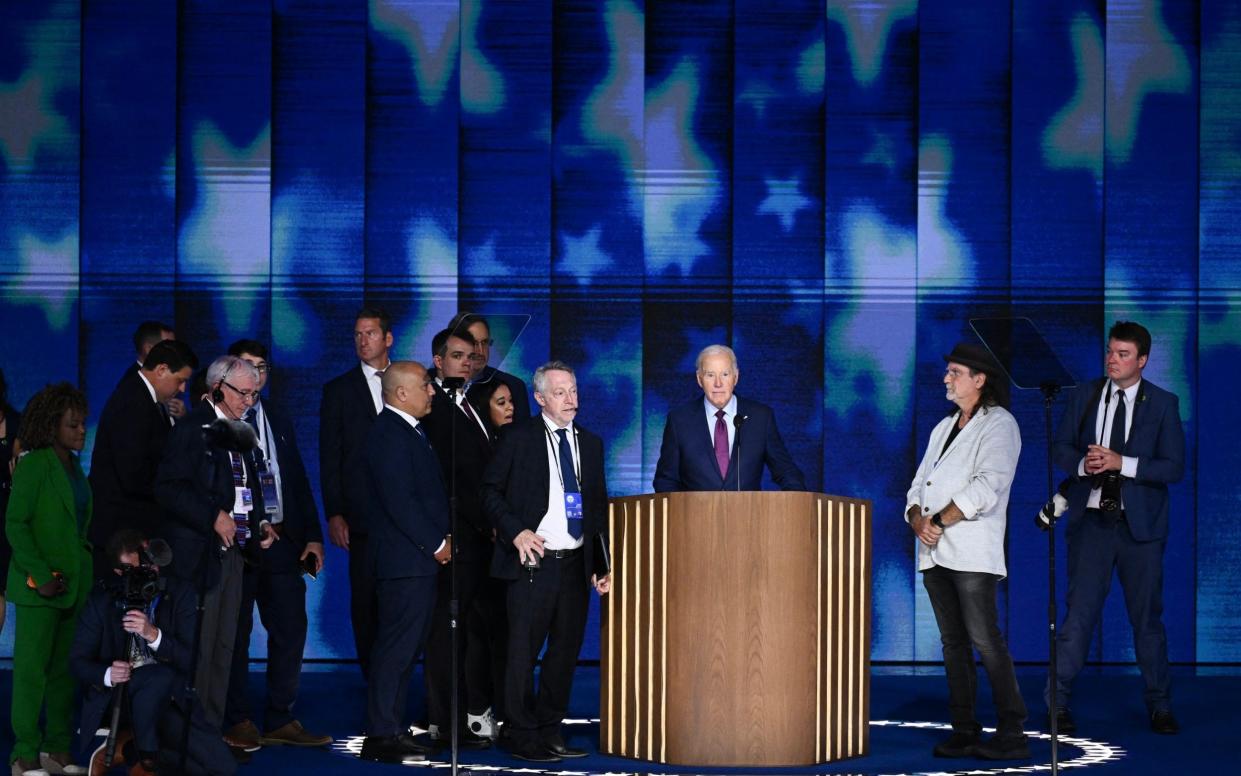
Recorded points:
(975,473)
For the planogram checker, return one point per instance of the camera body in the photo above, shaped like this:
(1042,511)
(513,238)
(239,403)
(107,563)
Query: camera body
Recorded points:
(137,587)
(1109,486)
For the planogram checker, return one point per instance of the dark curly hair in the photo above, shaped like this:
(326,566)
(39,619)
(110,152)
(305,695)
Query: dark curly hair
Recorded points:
(44,411)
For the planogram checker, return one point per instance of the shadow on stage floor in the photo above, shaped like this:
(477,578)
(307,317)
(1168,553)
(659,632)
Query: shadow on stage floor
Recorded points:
(908,715)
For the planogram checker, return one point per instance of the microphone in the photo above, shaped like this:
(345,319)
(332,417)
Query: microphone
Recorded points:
(157,553)
(737,421)
(1057,506)
(234,435)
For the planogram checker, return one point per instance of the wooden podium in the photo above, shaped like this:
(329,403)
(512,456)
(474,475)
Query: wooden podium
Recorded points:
(738,629)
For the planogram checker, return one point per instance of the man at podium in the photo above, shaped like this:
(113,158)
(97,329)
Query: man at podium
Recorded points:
(721,442)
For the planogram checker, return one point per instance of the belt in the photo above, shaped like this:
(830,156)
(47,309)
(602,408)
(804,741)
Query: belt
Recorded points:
(1115,517)
(561,553)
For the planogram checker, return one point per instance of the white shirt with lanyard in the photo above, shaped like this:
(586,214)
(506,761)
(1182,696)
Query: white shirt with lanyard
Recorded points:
(243,497)
(268,467)
(554,527)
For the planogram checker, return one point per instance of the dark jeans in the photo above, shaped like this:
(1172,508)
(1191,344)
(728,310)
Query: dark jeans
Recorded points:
(1099,543)
(964,604)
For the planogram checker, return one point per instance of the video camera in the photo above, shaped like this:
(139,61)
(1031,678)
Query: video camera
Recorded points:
(138,585)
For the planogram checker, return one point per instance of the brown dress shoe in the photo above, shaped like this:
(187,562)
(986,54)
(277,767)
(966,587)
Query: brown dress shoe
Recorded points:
(293,734)
(243,735)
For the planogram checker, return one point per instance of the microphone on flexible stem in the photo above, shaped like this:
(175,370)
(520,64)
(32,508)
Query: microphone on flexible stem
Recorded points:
(737,421)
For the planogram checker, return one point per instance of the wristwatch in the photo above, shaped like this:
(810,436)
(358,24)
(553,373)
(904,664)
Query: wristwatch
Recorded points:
(936,520)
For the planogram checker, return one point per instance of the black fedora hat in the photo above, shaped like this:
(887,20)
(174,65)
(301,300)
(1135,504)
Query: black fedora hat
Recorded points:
(976,357)
(979,359)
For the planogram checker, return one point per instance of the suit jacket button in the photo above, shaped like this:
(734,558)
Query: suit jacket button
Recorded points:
(928,482)
(926,509)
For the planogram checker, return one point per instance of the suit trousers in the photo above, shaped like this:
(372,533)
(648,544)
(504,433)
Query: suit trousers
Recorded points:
(363,601)
(470,576)
(486,647)
(147,694)
(404,618)
(276,585)
(207,754)
(219,634)
(42,637)
(964,606)
(548,605)
(1098,544)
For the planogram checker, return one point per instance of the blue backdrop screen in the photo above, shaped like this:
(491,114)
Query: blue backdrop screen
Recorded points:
(832,187)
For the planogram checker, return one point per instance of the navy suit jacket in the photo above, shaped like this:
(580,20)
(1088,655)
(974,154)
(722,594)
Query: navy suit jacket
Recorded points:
(687,455)
(473,451)
(1156,438)
(193,484)
(301,516)
(408,513)
(98,640)
(515,491)
(128,446)
(345,415)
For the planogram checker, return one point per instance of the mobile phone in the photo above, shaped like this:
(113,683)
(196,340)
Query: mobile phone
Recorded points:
(308,566)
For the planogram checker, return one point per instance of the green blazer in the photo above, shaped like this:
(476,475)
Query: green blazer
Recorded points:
(42,526)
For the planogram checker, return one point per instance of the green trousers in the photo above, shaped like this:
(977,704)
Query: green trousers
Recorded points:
(41,640)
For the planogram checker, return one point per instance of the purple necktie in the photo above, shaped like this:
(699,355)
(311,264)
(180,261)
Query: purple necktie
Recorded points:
(721,443)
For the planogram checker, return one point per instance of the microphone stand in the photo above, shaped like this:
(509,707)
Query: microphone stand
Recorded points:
(452,385)
(738,419)
(1049,391)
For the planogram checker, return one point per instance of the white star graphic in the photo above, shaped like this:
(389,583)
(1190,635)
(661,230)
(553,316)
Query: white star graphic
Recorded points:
(581,256)
(783,200)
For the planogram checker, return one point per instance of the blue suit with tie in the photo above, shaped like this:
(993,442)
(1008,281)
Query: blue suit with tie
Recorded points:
(1130,541)
(687,456)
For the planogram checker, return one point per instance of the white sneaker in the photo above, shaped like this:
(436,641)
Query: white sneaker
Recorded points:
(56,767)
(483,725)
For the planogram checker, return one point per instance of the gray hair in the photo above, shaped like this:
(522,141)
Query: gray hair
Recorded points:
(715,350)
(540,374)
(225,367)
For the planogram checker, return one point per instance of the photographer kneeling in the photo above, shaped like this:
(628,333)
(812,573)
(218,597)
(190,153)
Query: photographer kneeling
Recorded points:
(134,641)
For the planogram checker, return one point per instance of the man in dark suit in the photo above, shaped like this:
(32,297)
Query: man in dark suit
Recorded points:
(1122,441)
(463,447)
(709,444)
(546,494)
(145,337)
(481,372)
(101,658)
(274,580)
(208,485)
(408,522)
(129,443)
(349,406)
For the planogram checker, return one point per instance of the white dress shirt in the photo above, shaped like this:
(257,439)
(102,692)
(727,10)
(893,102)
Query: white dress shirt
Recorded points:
(554,527)
(151,390)
(374,381)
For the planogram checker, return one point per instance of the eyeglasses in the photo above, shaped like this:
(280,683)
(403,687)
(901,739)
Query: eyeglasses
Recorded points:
(247,395)
(262,368)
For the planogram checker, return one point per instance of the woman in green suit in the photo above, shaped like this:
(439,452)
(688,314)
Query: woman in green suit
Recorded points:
(49,576)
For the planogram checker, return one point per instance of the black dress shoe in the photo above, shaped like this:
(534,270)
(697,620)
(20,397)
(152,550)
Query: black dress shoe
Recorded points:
(1064,721)
(536,754)
(956,745)
(412,744)
(1003,747)
(557,747)
(388,749)
(466,739)
(1163,723)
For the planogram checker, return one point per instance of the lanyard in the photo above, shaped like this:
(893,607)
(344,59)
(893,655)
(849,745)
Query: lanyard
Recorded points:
(574,453)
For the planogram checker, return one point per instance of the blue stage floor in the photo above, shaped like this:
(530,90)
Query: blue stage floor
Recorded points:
(908,714)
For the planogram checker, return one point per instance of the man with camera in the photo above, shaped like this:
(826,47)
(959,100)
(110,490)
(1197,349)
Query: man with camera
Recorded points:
(133,646)
(1122,439)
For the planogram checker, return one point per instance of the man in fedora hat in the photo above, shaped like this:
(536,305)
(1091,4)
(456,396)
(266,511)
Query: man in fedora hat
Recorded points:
(957,507)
